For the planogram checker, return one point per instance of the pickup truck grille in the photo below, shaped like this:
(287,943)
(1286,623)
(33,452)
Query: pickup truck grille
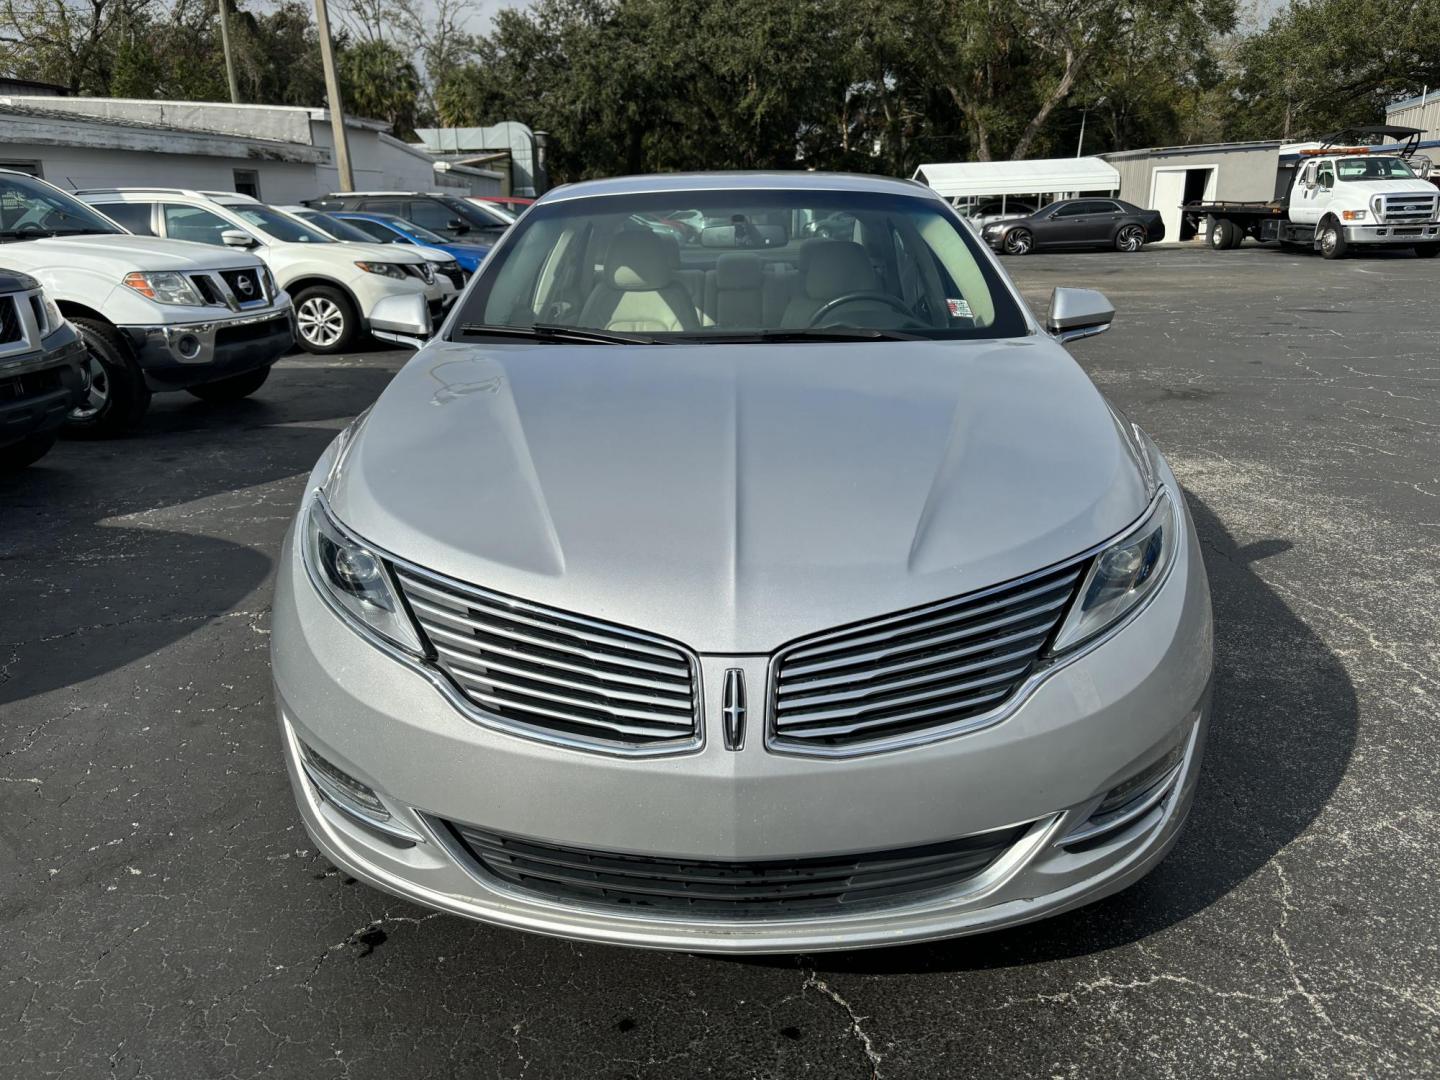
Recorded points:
(10,329)
(228,288)
(1405,209)
(916,671)
(554,675)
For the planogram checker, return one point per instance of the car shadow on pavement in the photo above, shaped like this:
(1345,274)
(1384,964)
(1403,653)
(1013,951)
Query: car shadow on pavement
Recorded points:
(1284,726)
(112,550)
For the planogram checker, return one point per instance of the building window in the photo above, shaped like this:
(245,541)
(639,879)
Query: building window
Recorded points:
(247,182)
(31,168)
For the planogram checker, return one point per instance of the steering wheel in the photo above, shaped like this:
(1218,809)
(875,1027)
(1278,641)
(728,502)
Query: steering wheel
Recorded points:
(858,297)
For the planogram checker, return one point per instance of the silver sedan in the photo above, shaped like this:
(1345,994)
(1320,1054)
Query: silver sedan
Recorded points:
(776,585)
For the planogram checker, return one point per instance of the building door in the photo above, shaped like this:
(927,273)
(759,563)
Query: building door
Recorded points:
(1171,186)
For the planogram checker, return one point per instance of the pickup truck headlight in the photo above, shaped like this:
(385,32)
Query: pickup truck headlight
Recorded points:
(1352,215)
(389,270)
(1124,575)
(354,579)
(165,288)
(53,318)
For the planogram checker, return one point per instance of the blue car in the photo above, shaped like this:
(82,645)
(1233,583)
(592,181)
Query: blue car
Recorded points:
(391,229)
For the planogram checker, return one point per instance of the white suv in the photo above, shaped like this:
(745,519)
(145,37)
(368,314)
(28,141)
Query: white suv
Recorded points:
(336,287)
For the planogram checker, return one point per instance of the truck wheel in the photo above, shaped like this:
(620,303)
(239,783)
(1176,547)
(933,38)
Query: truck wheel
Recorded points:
(118,396)
(1427,251)
(27,451)
(1332,239)
(1018,242)
(325,320)
(232,389)
(1220,233)
(1237,235)
(1130,238)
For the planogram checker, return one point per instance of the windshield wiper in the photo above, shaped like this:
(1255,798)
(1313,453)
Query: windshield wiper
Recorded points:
(809,333)
(550,332)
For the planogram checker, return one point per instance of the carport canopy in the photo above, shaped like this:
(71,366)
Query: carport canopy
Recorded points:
(1046,176)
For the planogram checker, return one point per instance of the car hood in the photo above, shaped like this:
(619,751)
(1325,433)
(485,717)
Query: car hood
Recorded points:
(123,252)
(347,251)
(736,497)
(1419,188)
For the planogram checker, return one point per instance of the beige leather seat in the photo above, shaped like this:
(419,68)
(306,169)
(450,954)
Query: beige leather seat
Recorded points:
(828,269)
(638,291)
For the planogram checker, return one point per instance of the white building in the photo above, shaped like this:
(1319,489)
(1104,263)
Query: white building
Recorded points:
(278,153)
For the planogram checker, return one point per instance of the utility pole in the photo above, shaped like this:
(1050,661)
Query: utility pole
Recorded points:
(225,45)
(332,91)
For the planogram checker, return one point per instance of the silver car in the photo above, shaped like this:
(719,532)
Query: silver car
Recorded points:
(756,592)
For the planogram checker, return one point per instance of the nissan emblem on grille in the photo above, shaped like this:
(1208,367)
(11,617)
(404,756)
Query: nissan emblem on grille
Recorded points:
(245,285)
(732,709)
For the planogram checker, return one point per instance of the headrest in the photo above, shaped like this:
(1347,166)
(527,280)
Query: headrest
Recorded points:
(738,270)
(835,267)
(637,262)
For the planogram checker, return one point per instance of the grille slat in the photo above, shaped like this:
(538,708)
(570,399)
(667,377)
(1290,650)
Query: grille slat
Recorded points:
(916,671)
(9,321)
(553,673)
(775,887)
(1394,208)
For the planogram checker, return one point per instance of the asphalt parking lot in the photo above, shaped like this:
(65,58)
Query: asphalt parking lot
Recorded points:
(164,915)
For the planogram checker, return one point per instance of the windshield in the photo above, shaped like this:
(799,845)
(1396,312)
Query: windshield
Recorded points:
(481,217)
(752,263)
(336,227)
(1373,168)
(418,232)
(31,208)
(277,224)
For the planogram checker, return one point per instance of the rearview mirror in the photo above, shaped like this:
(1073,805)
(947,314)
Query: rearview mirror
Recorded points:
(1078,313)
(238,238)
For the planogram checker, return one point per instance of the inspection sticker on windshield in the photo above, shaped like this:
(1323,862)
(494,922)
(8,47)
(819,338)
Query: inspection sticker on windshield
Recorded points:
(959,309)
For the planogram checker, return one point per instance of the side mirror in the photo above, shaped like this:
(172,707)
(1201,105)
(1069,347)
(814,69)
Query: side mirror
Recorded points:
(403,319)
(456,225)
(1078,313)
(237,238)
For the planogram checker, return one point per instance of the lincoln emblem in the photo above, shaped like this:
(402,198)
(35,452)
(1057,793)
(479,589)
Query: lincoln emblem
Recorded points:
(732,708)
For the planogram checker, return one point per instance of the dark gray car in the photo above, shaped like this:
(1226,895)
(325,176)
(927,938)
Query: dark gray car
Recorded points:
(1109,224)
(42,371)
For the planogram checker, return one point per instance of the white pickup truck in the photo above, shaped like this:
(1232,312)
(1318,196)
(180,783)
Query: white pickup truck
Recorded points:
(1340,197)
(155,314)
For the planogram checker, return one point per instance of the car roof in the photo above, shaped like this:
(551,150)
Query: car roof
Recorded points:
(738,181)
(370,215)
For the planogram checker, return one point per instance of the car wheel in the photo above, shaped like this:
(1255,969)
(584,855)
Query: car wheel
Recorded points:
(117,397)
(25,452)
(1018,242)
(234,388)
(325,320)
(1130,238)
(1332,240)
(1427,251)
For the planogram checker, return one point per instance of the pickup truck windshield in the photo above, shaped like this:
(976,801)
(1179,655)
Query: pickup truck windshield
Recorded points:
(741,265)
(31,209)
(1373,168)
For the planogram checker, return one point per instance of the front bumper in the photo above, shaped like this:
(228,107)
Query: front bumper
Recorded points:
(38,389)
(1095,721)
(1402,234)
(176,355)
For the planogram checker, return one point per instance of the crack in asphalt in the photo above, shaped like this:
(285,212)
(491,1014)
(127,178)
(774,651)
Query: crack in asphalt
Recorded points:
(814,982)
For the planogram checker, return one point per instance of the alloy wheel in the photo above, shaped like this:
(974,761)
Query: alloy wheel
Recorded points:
(1018,243)
(98,394)
(320,321)
(1131,238)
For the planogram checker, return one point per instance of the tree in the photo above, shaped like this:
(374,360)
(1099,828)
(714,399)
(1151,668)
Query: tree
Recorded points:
(378,81)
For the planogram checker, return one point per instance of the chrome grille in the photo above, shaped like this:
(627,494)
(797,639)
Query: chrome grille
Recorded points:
(551,673)
(1408,209)
(10,329)
(922,670)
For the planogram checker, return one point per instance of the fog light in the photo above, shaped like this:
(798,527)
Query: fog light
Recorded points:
(1138,784)
(343,788)
(189,346)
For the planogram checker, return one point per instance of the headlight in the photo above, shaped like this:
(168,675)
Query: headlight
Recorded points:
(1123,575)
(53,318)
(384,269)
(165,288)
(1353,215)
(427,272)
(354,579)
